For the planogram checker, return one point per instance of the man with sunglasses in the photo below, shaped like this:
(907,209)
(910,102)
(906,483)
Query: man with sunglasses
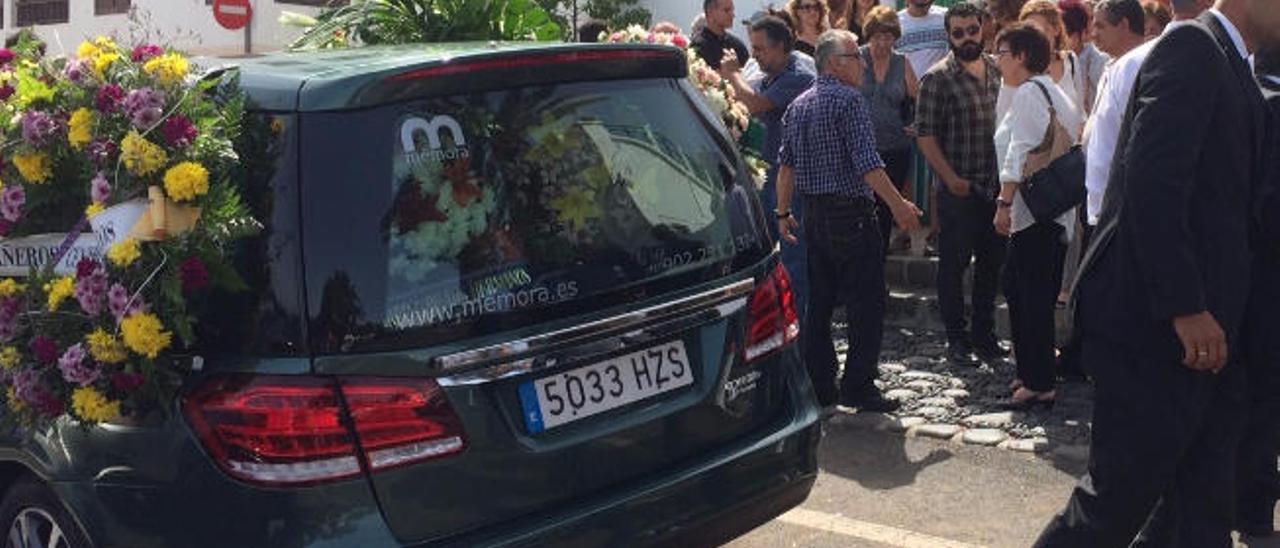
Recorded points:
(955,127)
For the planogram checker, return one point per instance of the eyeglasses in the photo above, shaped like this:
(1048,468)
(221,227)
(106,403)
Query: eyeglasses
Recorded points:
(806,7)
(1003,52)
(961,32)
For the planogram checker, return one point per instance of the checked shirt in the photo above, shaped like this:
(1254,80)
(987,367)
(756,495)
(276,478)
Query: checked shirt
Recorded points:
(829,142)
(959,110)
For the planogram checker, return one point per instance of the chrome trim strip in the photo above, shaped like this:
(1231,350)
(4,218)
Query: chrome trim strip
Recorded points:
(515,368)
(511,349)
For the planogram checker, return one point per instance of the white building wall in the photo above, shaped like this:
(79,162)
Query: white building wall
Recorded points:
(185,24)
(683,12)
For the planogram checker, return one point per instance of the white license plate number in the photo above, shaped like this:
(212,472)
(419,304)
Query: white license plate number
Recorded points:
(579,393)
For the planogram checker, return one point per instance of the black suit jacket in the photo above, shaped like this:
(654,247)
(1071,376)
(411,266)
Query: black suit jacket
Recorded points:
(1174,233)
(1268,202)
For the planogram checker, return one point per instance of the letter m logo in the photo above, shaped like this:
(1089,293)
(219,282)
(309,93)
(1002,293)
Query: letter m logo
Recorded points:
(432,128)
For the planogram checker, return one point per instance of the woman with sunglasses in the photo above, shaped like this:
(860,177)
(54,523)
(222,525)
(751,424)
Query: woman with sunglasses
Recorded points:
(1042,123)
(809,19)
(1064,67)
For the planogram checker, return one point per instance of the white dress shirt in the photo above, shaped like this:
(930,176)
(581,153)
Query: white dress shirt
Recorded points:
(1104,123)
(1023,128)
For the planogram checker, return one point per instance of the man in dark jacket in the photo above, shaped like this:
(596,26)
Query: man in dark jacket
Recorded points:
(1163,289)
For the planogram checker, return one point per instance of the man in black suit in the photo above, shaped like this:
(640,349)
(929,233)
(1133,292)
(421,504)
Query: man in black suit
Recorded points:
(1256,489)
(1163,287)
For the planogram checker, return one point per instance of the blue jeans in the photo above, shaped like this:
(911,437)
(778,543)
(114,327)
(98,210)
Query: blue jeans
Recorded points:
(793,255)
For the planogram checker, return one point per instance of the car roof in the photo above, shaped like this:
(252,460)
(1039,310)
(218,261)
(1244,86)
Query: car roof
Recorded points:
(335,79)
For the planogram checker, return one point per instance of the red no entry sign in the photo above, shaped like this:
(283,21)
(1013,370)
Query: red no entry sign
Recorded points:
(232,14)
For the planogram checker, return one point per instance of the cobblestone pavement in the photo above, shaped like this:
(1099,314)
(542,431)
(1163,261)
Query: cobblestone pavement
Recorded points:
(942,400)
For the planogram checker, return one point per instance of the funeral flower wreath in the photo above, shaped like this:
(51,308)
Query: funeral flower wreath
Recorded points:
(121,167)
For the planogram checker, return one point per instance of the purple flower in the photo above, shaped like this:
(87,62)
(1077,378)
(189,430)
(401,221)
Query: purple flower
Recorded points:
(9,318)
(100,151)
(91,286)
(6,56)
(145,106)
(118,302)
(38,127)
(5,92)
(44,349)
(12,198)
(26,385)
(127,382)
(195,275)
(109,98)
(179,132)
(6,226)
(74,369)
(75,70)
(100,189)
(145,52)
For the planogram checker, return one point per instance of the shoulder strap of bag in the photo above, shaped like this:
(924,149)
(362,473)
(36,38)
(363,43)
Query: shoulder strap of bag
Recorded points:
(1047,143)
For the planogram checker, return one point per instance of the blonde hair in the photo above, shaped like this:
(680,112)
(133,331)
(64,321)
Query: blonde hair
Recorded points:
(1048,10)
(823,11)
(881,19)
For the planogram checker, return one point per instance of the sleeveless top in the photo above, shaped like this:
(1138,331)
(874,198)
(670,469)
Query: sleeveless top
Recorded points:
(884,101)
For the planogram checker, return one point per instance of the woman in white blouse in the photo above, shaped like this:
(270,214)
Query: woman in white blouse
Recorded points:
(1042,122)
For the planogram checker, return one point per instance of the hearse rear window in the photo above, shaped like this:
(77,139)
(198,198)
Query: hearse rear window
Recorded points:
(455,216)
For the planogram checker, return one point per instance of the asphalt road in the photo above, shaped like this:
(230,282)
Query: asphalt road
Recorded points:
(881,490)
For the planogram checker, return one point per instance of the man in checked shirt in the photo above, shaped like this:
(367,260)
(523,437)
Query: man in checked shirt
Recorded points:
(828,155)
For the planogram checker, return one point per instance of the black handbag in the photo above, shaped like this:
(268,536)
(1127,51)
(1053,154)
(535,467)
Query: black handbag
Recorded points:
(1059,186)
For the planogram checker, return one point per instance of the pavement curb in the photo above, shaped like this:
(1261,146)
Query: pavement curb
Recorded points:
(976,436)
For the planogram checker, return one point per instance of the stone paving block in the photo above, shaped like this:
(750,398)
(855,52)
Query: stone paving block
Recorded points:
(956,393)
(984,436)
(939,401)
(932,412)
(937,431)
(990,420)
(1028,445)
(900,394)
(892,368)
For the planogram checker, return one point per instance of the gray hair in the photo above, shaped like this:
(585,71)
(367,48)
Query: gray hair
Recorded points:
(830,44)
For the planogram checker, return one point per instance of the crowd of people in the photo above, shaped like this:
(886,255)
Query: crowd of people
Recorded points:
(1167,248)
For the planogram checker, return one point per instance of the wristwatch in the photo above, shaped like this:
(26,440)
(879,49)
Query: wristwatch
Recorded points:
(782,214)
(1003,203)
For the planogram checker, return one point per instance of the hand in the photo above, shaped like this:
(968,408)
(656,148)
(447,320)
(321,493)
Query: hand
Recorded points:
(729,64)
(1003,221)
(1204,344)
(910,131)
(787,228)
(959,186)
(907,215)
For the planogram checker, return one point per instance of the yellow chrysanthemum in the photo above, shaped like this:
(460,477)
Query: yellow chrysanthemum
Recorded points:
(92,210)
(60,290)
(124,252)
(144,334)
(80,128)
(103,61)
(10,287)
(105,347)
(15,404)
(91,406)
(186,181)
(34,167)
(576,208)
(169,69)
(141,157)
(10,357)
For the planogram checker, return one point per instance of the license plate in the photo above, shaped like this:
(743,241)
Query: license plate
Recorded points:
(580,393)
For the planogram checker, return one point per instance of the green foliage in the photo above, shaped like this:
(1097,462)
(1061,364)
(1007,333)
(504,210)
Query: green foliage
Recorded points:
(619,13)
(414,21)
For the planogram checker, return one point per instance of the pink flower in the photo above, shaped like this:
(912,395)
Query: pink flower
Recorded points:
(145,106)
(680,41)
(73,367)
(118,302)
(145,52)
(12,198)
(6,56)
(179,132)
(109,98)
(194,274)
(91,286)
(6,226)
(6,91)
(44,349)
(100,189)
(100,151)
(75,70)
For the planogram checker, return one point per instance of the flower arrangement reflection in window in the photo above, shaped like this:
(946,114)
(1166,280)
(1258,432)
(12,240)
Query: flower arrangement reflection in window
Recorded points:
(439,208)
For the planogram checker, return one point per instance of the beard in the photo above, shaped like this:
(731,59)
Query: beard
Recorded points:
(967,51)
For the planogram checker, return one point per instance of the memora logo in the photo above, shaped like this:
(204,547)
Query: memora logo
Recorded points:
(414,128)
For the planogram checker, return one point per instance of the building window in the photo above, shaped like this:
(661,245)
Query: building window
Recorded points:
(110,7)
(41,12)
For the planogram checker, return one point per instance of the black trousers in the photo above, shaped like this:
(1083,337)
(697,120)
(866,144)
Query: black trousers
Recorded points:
(967,235)
(846,266)
(1257,478)
(896,163)
(1032,277)
(1161,432)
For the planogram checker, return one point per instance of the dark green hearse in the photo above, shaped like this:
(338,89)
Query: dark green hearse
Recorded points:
(505,296)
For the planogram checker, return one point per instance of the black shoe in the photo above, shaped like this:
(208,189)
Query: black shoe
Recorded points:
(874,404)
(991,351)
(961,354)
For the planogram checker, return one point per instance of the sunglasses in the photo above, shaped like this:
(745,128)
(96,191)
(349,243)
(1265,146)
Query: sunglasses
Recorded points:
(806,7)
(961,32)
